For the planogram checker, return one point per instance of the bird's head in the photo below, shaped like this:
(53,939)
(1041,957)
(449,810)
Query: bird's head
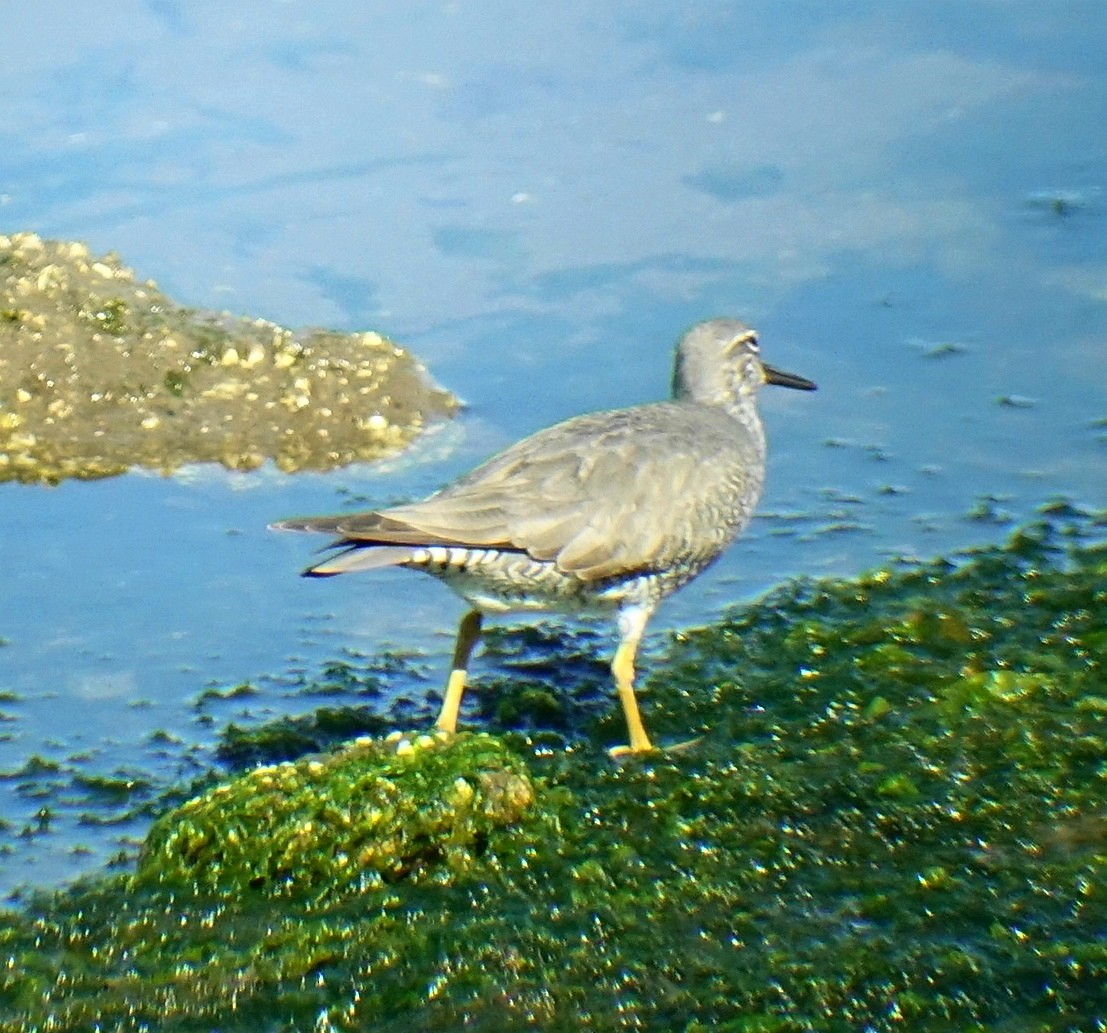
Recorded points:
(718,362)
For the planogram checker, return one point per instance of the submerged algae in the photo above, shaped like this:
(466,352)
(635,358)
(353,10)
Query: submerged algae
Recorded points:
(897,819)
(100,372)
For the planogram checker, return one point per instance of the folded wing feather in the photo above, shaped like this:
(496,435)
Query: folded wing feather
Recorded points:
(596,511)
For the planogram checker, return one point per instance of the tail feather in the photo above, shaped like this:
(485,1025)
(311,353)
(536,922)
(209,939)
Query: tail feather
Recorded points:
(378,529)
(361,557)
(323,525)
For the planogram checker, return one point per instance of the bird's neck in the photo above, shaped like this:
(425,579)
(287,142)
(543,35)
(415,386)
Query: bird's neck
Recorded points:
(746,415)
(741,410)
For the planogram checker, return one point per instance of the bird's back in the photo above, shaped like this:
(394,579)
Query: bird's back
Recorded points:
(664,486)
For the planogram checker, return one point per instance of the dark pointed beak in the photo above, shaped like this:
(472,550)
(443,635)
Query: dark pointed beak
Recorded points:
(778,376)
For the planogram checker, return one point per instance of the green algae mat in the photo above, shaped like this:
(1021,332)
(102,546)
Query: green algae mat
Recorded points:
(896,820)
(100,372)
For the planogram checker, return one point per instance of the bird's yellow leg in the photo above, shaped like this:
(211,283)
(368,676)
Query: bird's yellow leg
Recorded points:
(632,624)
(622,667)
(468,634)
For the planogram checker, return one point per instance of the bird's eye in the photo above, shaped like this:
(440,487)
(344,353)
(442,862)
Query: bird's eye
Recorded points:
(744,341)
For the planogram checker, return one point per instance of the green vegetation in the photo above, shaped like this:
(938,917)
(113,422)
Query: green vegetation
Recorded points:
(896,819)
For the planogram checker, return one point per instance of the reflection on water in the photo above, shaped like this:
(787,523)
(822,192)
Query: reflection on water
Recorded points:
(906,200)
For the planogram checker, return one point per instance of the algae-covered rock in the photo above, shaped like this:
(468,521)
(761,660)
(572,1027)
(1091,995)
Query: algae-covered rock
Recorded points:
(896,820)
(100,372)
(372,812)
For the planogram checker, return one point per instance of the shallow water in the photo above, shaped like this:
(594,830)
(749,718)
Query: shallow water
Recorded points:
(907,201)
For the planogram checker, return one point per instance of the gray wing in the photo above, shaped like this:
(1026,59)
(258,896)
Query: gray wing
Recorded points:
(601,494)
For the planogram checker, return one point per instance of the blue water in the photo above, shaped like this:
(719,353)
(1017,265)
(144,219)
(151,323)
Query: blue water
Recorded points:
(906,199)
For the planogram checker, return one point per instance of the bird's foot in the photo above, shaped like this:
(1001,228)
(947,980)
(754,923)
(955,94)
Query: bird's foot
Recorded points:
(620,754)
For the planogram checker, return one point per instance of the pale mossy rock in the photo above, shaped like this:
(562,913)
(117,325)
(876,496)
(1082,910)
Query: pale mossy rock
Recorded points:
(374,812)
(100,372)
